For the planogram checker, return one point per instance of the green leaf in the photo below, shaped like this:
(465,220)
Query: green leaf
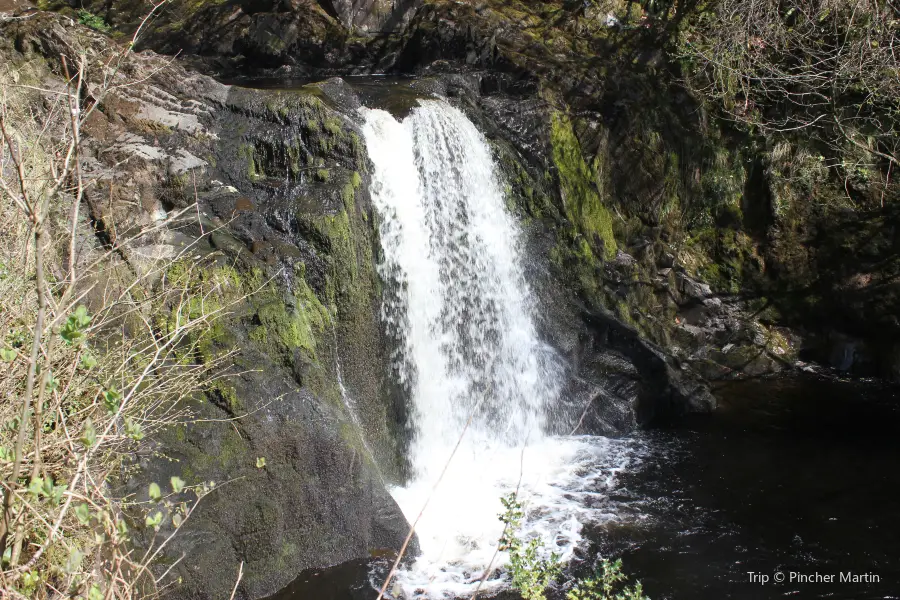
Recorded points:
(88,362)
(94,593)
(177,484)
(73,563)
(73,329)
(56,494)
(8,354)
(112,400)
(133,430)
(30,580)
(89,435)
(260,462)
(36,486)
(154,520)
(177,520)
(81,316)
(70,334)
(155,492)
(83,512)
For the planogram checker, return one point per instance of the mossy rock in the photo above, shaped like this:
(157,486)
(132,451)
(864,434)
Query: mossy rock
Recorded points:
(582,199)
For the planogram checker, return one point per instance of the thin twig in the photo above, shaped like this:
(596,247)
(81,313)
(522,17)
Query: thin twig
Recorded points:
(237,583)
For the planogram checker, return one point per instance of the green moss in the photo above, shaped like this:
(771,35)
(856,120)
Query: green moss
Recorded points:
(356,146)
(232,451)
(348,192)
(292,327)
(259,334)
(286,557)
(248,152)
(197,291)
(333,126)
(228,395)
(182,13)
(581,198)
(323,175)
(730,261)
(348,196)
(334,236)
(215,341)
(623,312)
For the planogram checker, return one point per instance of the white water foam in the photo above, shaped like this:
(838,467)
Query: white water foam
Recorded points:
(458,303)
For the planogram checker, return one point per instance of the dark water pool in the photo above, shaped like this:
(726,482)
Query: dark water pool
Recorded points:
(794,476)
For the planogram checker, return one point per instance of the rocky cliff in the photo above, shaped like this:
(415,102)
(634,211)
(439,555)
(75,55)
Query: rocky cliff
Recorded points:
(281,236)
(661,176)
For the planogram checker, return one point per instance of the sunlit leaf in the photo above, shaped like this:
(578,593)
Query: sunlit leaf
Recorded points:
(155,492)
(177,484)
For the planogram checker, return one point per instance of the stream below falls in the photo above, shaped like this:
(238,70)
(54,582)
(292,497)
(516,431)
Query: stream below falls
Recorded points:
(796,475)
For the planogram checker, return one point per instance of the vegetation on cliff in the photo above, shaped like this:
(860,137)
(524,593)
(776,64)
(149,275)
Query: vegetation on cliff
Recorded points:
(90,371)
(814,89)
(824,70)
(581,192)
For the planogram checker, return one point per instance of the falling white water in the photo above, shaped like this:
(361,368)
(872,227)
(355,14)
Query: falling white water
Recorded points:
(471,358)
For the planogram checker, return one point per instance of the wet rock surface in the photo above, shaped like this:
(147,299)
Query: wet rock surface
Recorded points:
(658,177)
(282,228)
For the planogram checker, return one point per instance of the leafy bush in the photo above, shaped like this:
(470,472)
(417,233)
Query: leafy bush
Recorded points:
(88,372)
(93,21)
(820,72)
(531,574)
(607,583)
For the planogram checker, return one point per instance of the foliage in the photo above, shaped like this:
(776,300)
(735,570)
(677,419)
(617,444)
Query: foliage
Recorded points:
(823,72)
(579,185)
(532,571)
(89,375)
(93,21)
(607,583)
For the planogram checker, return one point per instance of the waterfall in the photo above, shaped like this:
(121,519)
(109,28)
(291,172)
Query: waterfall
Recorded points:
(469,355)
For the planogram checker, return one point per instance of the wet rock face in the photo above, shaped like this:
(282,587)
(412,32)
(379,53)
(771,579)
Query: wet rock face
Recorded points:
(371,16)
(296,38)
(743,215)
(603,157)
(283,224)
(649,153)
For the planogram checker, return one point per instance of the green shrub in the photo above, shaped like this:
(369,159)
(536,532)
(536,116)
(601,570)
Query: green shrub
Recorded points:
(607,583)
(531,575)
(93,21)
(87,379)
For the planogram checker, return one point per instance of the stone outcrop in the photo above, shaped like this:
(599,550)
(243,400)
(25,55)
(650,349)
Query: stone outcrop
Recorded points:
(281,239)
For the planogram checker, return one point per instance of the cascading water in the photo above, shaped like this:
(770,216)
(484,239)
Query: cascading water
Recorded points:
(471,358)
